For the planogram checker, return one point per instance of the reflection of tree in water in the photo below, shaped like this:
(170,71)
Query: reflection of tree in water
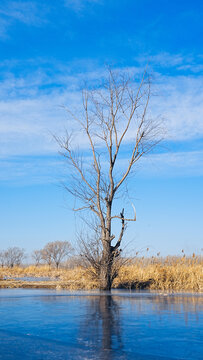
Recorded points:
(171,303)
(101,328)
(99,336)
(181,304)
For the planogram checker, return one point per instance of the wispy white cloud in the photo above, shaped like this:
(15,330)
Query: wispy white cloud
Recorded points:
(26,12)
(53,169)
(180,101)
(30,108)
(173,164)
(31,170)
(193,68)
(79,5)
(3,28)
(172,62)
(163,59)
(23,11)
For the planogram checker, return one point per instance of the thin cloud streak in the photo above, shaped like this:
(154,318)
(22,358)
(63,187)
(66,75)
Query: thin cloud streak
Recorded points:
(30,108)
(177,63)
(25,12)
(52,169)
(80,5)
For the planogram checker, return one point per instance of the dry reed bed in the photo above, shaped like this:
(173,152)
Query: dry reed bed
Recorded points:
(171,273)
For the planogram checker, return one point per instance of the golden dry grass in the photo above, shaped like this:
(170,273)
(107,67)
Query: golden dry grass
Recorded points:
(171,273)
(178,275)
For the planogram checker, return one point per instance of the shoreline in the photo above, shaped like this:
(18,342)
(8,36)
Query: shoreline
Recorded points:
(170,274)
(72,285)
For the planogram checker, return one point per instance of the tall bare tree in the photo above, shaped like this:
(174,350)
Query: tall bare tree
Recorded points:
(2,258)
(14,256)
(37,256)
(46,256)
(56,251)
(114,118)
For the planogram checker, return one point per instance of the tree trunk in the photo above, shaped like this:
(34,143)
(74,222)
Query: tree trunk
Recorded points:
(105,277)
(106,268)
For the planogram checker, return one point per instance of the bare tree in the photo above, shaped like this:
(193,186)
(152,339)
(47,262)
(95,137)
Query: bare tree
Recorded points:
(56,252)
(46,256)
(114,118)
(2,258)
(14,256)
(37,256)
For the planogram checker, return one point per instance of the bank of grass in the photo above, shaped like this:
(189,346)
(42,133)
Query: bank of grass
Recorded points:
(170,273)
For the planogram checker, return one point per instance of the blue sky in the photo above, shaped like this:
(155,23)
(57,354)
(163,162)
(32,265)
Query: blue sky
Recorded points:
(48,49)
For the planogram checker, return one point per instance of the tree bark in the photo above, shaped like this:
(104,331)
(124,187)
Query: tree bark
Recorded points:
(105,277)
(106,265)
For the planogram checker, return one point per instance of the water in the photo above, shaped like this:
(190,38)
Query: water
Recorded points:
(29,278)
(45,325)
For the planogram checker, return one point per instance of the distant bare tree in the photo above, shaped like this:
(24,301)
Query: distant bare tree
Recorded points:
(14,256)
(46,256)
(2,258)
(37,256)
(114,119)
(55,252)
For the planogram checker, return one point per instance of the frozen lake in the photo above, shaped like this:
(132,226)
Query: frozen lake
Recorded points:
(46,324)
